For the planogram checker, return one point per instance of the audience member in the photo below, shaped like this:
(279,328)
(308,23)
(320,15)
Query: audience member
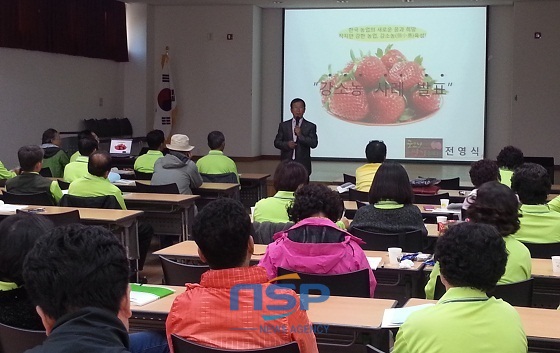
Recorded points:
(5,173)
(222,231)
(497,205)
(288,176)
(95,183)
(508,160)
(376,151)
(54,157)
(79,168)
(82,135)
(18,234)
(315,244)
(177,166)
(145,163)
(472,258)
(539,224)
(390,208)
(481,171)
(215,162)
(29,181)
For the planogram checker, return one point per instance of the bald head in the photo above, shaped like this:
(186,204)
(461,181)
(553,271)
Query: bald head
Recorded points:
(99,164)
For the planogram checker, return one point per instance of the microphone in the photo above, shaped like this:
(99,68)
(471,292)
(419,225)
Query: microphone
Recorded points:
(298,118)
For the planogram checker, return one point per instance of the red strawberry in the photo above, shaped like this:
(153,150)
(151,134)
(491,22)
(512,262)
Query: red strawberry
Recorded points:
(406,74)
(425,102)
(348,101)
(369,71)
(386,107)
(392,57)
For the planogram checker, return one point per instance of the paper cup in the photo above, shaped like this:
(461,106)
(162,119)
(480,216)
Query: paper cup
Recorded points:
(441,223)
(394,255)
(556,264)
(444,203)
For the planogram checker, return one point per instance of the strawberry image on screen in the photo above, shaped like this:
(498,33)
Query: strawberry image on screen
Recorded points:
(120,147)
(381,89)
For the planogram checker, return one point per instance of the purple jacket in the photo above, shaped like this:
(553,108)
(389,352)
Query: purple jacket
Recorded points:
(339,252)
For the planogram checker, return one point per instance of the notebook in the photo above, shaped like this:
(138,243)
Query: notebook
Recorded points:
(144,294)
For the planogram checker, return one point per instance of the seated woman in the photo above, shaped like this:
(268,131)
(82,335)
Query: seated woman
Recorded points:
(288,176)
(390,208)
(18,234)
(315,244)
(497,205)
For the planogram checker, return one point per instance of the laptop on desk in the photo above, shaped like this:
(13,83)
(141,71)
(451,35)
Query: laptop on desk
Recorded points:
(120,148)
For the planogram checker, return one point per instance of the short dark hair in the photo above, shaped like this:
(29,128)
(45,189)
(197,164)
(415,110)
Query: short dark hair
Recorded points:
(84,134)
(87,145)
(154,139)
(76,266)
(18,234)
(295,100)
(216,139)
(49,136)
(497,205)
(471,255)
(531,183)
(289,175)
(376,151)
(29,156)
(221,230)
(99,163)
(315,198)
(391,183)
(510,157)
(482,171)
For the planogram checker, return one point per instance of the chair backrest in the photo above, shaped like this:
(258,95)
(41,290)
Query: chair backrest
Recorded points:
(412,241)
(108,201)
(543,251)
(351,284)
(157,189)
(63,185)
(517,294)
(46,172)
(40,199)
(220,178)
(60,219)
(181,345)
(361,204)
(355,195)
(17,340)
(177,274)
(142,176)
(430,199)
(349,178)
(449,184)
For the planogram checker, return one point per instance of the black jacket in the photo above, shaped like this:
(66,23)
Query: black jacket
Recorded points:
(305,142)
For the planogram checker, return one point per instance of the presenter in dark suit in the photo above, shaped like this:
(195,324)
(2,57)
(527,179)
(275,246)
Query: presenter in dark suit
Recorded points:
(297,136)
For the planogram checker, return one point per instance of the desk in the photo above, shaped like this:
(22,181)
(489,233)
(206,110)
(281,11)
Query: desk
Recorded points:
(253,188)
(541,325)
(217,189)
(159,209)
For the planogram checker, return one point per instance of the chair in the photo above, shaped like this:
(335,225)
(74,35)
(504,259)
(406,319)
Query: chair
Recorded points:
(361,204)
(517,294)
(412,241)
(372,349)
(449,184)
(39,199)
(543,251)
(351,284)
(181,345)
(142,176)
(220,178)
(177,274)
(63,185)
(355,195)
(60,219)
(18,340)
(108,201)
(46,172)
(430,199)
(157,189)
(349,178)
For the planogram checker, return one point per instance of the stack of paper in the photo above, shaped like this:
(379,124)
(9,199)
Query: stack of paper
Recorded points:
(144,294)
(396,316)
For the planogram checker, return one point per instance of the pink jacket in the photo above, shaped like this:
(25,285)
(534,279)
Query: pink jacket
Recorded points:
(320,258)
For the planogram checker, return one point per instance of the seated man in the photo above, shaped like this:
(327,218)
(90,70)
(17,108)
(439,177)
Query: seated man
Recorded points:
(95,183)
(202,314)
(82,135)
(481,171)
(29,181)
(5,173)
(472,258)
(538,223)
(78,278)
(215,162)
(508,160)
(376,151)
(79,168)
(177,166)
(145,163)
(54,157)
